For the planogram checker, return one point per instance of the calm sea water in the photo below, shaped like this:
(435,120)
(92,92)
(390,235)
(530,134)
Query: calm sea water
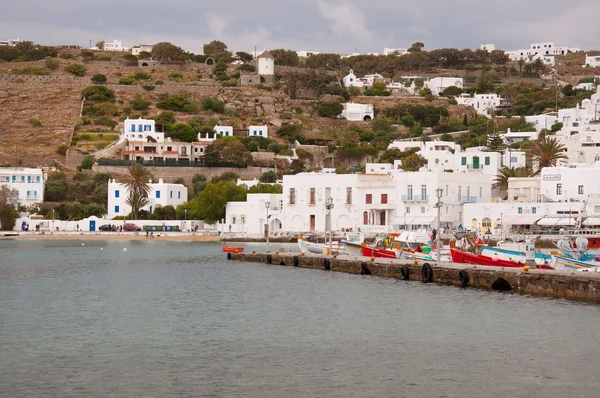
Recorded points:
(178,320)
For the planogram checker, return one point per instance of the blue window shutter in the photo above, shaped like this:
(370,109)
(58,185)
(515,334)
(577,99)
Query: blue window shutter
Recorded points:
(116,209)
(116,193)
(157,194)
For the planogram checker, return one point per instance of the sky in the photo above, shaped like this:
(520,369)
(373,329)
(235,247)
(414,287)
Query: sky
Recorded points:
(341,26)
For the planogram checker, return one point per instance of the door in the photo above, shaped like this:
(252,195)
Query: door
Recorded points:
(312,223)
(476,162)
(382,218)
(92,226)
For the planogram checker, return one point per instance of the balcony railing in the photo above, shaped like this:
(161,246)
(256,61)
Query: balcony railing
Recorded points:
(467,199)
(415,198)
(474,167)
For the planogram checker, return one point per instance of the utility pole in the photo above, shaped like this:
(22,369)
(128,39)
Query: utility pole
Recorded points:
(90,43)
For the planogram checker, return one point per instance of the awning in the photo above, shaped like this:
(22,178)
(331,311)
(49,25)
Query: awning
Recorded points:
(521,219)
(421,220)
(566,221)
(592,221)
(547,221)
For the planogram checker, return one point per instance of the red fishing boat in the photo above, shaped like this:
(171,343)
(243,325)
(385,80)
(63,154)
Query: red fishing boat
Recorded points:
(233,249)
(382,248)
(464,257)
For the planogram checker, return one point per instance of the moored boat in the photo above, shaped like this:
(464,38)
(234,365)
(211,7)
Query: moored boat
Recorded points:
(232,249)
(320,248)
(464,257)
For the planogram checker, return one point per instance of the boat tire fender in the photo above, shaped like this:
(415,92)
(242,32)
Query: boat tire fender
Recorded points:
(426,273)
(364,269)
(326,264)
(295,261)
(269,259)
(228,256)
(463,277)
(405,272)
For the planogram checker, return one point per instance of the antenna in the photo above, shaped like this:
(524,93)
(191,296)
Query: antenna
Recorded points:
(90,43)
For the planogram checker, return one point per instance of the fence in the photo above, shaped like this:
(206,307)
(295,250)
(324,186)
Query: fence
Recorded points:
(169,163)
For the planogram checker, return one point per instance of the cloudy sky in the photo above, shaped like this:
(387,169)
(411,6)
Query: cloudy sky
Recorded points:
(319,25)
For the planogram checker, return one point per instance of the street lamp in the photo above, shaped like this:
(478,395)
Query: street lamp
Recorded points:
(267,204)
(329,206)
(185,219)
(438,192)
(52,220)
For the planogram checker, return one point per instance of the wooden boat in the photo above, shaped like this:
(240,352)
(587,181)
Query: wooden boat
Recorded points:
(320,248)
(465,257)
(382,248)
(232,249)
(353,244)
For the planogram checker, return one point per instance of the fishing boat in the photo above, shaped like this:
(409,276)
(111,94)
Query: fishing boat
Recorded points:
(320,248)
(464,257)
(561,263)
(353,244)
(383,247)
(232,249)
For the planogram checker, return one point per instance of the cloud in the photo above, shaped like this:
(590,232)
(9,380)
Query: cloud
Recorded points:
(216,24)
(347,22)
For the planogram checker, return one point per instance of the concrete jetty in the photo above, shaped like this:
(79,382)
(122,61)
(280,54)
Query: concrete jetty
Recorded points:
(580,286)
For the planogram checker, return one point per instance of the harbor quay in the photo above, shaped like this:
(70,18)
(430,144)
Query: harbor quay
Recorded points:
(579,286)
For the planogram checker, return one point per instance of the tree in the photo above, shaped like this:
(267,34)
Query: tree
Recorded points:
(100,44)
(330,109)
(378,90)
(145,55)
(244,56)
(227,150)
(213,104)
(452,91)
(226,176)
(8,212)
(521,63)
(183,132)
(416,47)
(266,188)
(495,143)
(285,57)
(413,162)
(76,69)
(137,182)
(546,151)
(214,48)
(99,79)
(501,180)
(268,177)
(168,53)
(212,201)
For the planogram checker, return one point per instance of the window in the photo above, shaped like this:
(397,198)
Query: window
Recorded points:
(463,161)
(384,198)
(487,160)
(117,193)
(349,195)
(533,210)
(28,179)
(409,192)
(140,129)
(369,199)
(423,191)
(446,190)
(422,209)
(37,179)
(407,209)
(559,189)
(365,218)
(157,194)
(480,192)
(171,194)
(459,192)
(311,198)
(520,210)
(178,194)
(116,209)
(292,196)
(580,190)
(133,128)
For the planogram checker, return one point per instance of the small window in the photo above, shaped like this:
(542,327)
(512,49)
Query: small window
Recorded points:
(407,209)
(178,194)
(311,197)
(520,210)
(533,210)
(487,160)
(384,198)
(37,179)
(369,199)
(463,161)
(422,209)
(117,193)
(157,194)
(292,196)
(171,194)
(559,189)
(580,190)
(116,209)
(365,218)
(349,195)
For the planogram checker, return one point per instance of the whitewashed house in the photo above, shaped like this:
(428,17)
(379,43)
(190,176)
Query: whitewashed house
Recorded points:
(544,50)
(161,194)
(28,184)
(258,131)
(358,112)
(488,47)
(143,130)
(306,54)
(224,131)
(512,137)
(139,48)
(350,80)
(265,64)
(395,51)
(115,45)
(592,61)
(544,121)
(250,217)
(484,104)
(438,84)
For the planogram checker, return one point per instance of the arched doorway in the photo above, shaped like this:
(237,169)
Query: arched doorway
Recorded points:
(275,225)
(486,224)
(298,223)
(474,223)
(343,222)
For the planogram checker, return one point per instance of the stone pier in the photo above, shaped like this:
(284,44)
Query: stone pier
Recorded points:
(581,286)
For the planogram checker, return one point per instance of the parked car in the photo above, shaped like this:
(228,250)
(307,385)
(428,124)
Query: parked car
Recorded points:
(107,227)
(131,227)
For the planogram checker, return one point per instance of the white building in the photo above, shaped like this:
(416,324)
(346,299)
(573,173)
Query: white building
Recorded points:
(512,137)
(484,104)
(266,64)
(395,51)
(592,61)
(10,42)
(438,84)
(488,47)
(161,194)
(582,118)
(544,121)
(544,50)
(250,217)
(569,183)
(115,45)
(585,86)
(258,131)
(141,130)
(358,112)
(224,131)
(306,54)
(29,184)
(350,80)
(139,48)
(582,148)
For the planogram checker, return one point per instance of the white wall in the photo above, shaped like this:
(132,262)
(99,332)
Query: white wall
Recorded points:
(562,183)
(161,194)
(250,216)
(28,182)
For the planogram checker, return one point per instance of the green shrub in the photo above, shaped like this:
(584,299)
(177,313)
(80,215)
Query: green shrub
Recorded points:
(330,109)
(103,58)
(105,121)
(142,76)
(177,103)
(98,94)
(51,64)
(66,56)
(175,76)
(148,87)
(87,162)
(99,79)
(76,69)
(139,103)
(213,104)
(35,122)
(29,70)
(127,81)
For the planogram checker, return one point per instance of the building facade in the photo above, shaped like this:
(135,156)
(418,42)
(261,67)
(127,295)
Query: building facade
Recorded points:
(161,194)
(27,184)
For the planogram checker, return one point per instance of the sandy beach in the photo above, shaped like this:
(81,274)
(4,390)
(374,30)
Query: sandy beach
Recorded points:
(179,237)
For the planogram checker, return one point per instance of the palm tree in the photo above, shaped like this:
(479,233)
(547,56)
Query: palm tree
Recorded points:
(546,152)
(501,181)
(521,62)
(137,184)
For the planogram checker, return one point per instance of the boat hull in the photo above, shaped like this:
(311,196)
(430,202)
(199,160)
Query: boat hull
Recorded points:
(461,257)
(353,248)
(380,253)
(232,249)
(319,248)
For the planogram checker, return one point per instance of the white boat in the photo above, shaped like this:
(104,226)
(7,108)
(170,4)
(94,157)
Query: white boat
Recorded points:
(353,244)
(320,248)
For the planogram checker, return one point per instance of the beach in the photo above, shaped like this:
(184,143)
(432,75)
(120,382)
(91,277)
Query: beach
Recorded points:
(165,236)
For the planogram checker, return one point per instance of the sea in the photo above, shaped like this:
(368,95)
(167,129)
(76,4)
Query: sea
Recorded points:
(176,319)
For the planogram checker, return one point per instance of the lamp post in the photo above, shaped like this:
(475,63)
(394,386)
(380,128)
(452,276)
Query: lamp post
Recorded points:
(501,224)
(267,204)
(185,219)
(52,220)
(438,193)
(329,206)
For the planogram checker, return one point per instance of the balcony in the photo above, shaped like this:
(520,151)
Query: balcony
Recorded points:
(474,167)
(467,199)
(415,198)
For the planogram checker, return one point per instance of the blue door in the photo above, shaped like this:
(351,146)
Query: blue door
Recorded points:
(92,226)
